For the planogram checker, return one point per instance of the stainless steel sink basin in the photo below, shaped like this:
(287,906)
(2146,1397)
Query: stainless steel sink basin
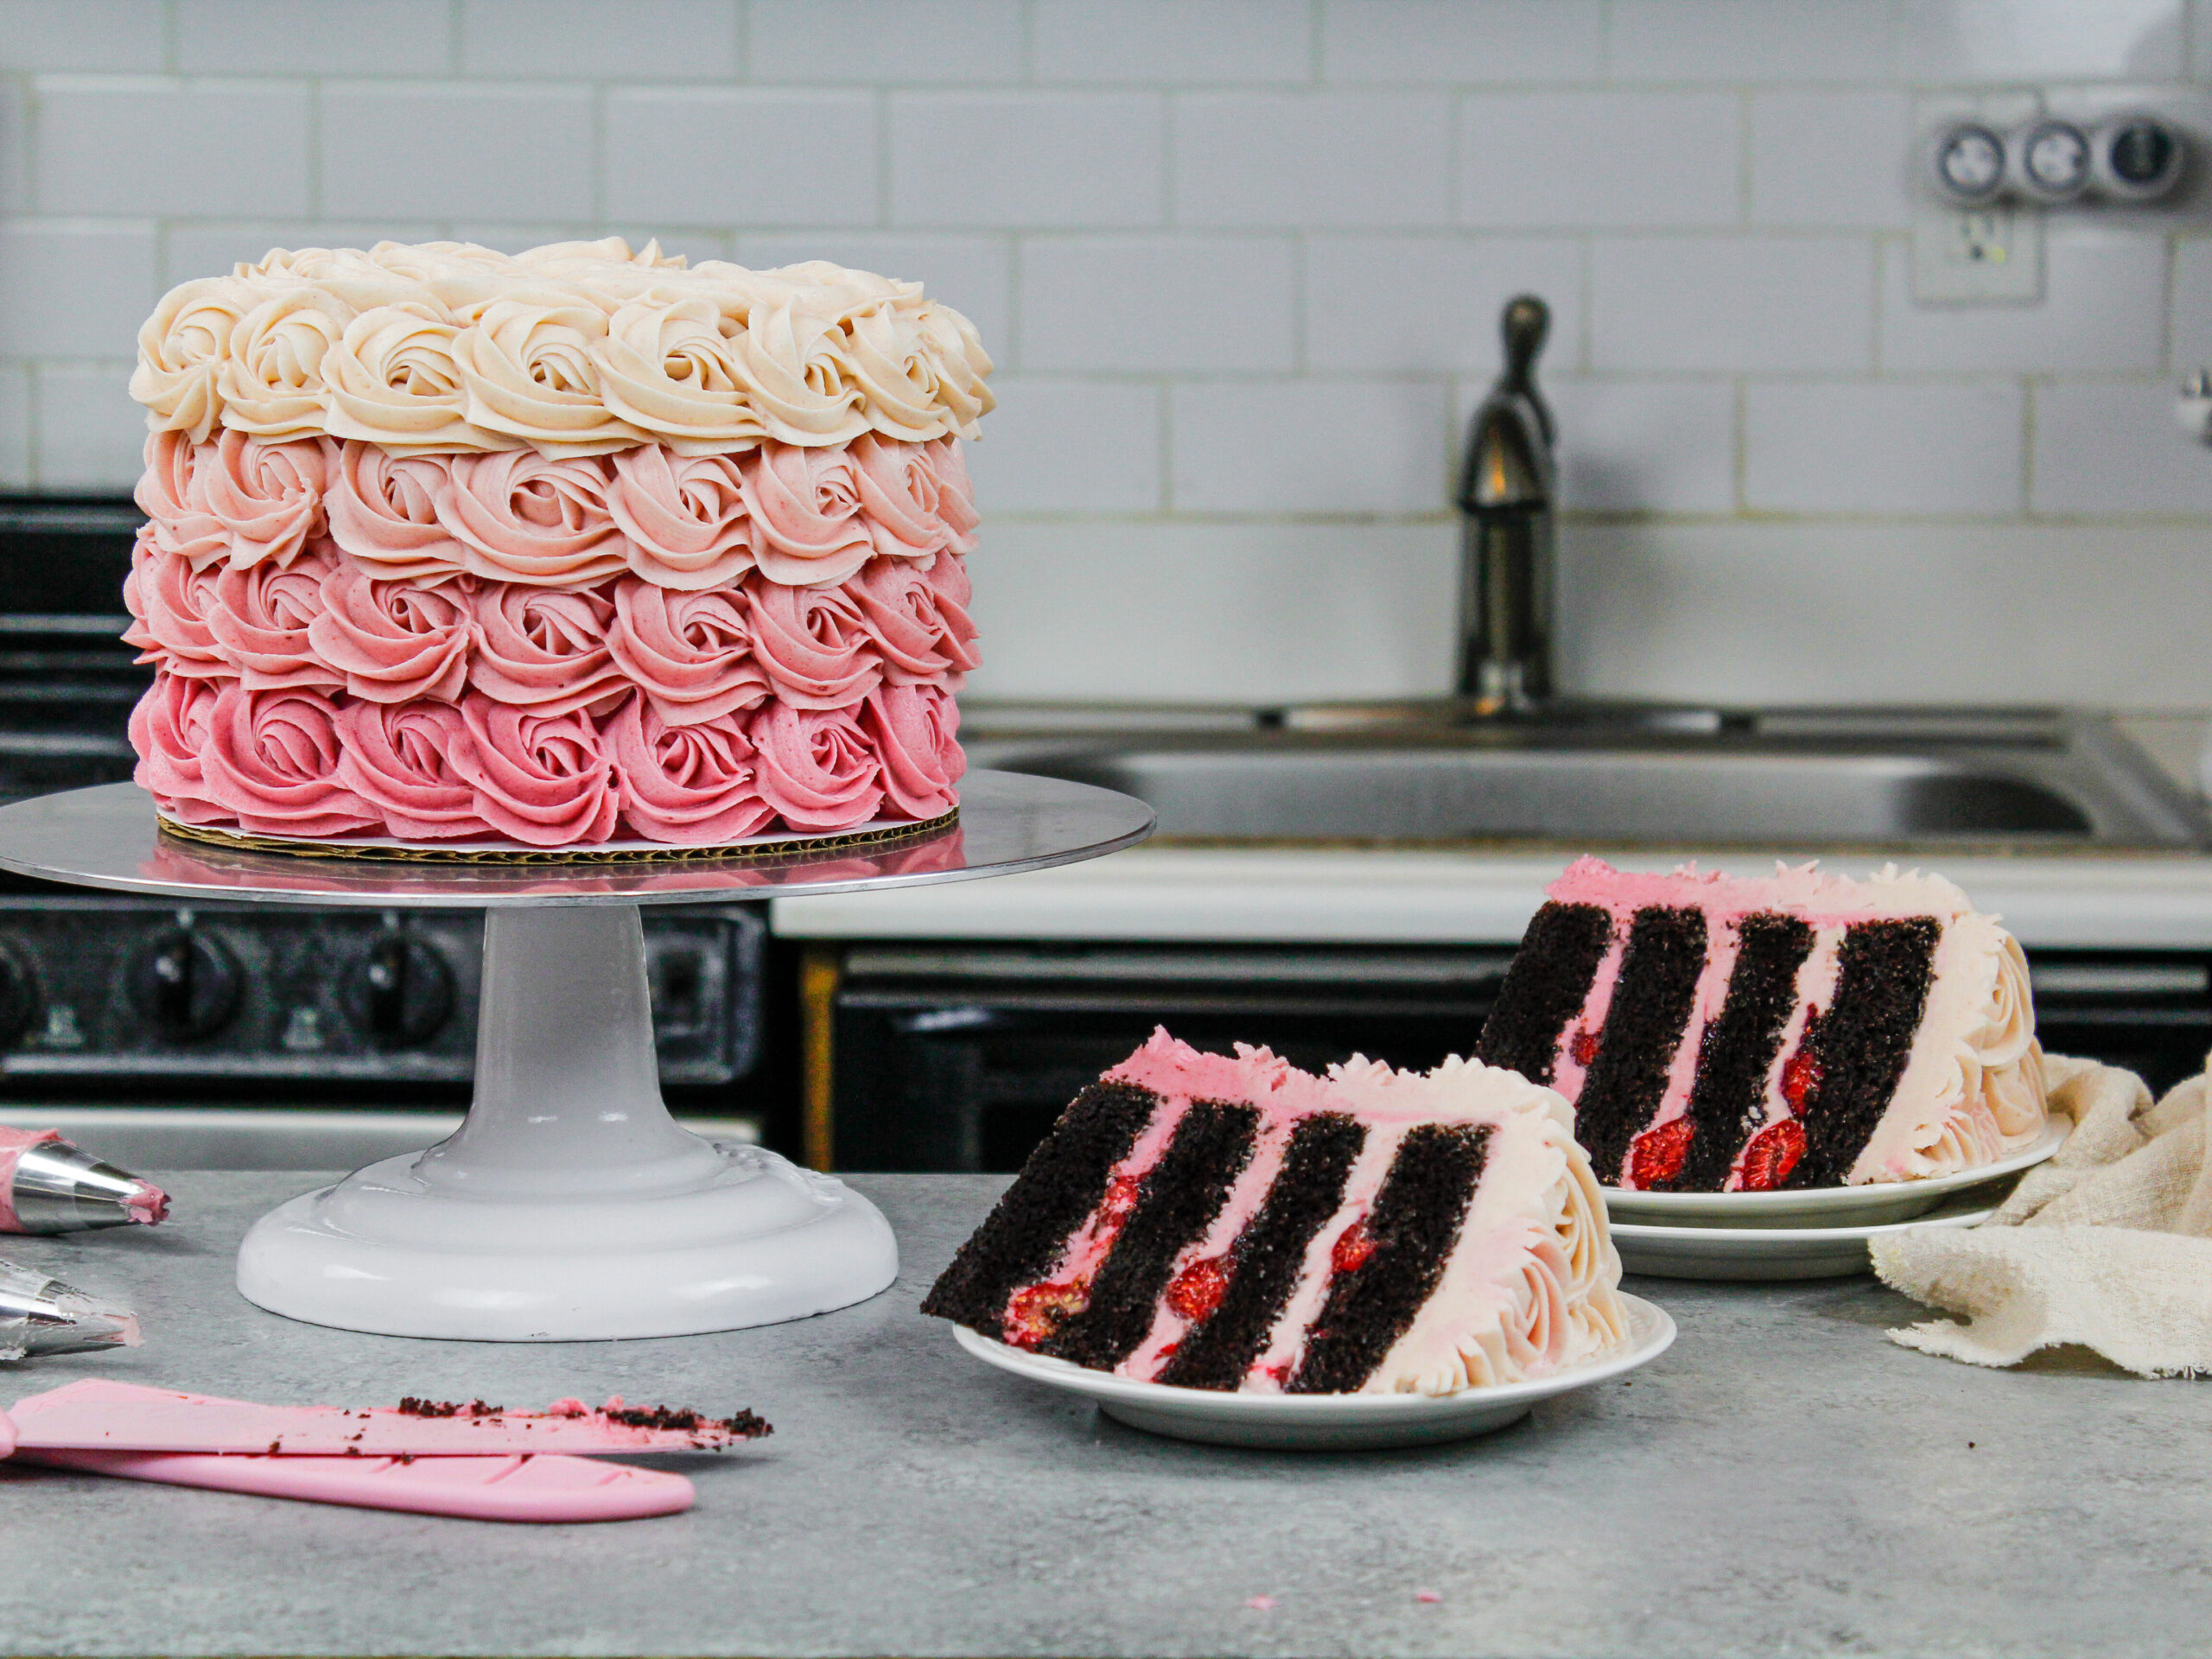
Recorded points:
(1781,777)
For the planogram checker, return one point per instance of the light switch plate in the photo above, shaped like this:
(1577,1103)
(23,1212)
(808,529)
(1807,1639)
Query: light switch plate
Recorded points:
(1973,255)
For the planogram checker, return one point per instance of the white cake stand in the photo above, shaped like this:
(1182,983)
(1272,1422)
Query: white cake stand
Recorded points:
(569,1204)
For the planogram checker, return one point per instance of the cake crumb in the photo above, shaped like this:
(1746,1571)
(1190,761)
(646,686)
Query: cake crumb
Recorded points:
(1260,1604)
(1427,1595)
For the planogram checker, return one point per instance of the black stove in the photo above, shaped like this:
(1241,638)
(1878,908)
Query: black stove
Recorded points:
(108,999)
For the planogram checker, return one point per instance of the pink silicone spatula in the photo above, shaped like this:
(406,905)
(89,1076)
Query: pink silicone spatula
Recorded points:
(518,1488)
(476,1461)
(97,1415)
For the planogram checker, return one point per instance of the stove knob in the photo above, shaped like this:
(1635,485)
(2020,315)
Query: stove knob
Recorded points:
(18,996)
(186,984)
(401,992)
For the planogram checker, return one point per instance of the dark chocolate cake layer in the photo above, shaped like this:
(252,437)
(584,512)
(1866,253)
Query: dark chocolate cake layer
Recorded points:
(1176,1202)
(1380,1284)
(1264,1262)
(1651,1003)
(1062,1183)
(1728,1099)
(1544,988)
(1860,1045)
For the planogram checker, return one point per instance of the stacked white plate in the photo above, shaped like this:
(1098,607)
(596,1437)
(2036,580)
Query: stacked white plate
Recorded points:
(1819,1233)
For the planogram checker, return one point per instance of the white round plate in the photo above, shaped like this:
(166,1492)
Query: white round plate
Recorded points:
(1822,1206)
(1754,1253)
(1324,1423)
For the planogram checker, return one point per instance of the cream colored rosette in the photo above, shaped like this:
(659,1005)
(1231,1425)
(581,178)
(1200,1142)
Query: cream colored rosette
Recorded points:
(577,348)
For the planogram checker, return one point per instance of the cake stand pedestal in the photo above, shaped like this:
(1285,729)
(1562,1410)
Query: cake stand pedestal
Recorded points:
(569,1204)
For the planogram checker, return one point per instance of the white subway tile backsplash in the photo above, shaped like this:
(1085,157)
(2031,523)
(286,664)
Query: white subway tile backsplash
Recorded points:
(1690,304)
(2192,306)
(2041,40)
(1819,446)
(1859,613)
(1543,160)
(1066,446)
(201,250)
(1148,304)
(1265,613)
(741,156)
(1430,304)
(599,40)
(1240,261)
(15,149)
(2102,310)
(108,35)
(1641,446)
(73,288)
(972,274)
(1462,41)
(1241,40)
(467,149)
(147,147)
(15,427)
(1830,159)
(1313,158)
(891,41)
(1308,446)
(308,37)
(2114,450)
(961,160)
(91,436)
(1751,40)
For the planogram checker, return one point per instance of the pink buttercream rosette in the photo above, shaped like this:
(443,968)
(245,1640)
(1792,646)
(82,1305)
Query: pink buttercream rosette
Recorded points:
(553,652)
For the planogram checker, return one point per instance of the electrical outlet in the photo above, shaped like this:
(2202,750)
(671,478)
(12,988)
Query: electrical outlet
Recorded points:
(1990,255)
(1971,256)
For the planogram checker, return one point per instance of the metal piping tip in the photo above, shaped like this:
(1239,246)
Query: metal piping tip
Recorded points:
(39,1315)
(57,1188)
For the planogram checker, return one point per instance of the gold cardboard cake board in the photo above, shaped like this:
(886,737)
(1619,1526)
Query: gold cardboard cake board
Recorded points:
(428,853)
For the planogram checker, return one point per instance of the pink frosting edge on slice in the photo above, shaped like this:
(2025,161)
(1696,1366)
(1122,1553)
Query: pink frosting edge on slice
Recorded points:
(1803,890)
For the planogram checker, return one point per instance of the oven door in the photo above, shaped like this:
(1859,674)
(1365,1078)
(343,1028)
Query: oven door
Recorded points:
(959,1057)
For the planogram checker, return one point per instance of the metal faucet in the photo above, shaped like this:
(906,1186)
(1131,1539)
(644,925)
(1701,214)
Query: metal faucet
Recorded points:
(1507,549)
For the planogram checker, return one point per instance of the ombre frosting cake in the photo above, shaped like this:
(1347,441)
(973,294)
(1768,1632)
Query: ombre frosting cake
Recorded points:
(576,548)
(1232,1223)
(1802,1030)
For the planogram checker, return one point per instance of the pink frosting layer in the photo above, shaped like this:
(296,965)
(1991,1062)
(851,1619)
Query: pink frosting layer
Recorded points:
(325,621)
(1802,890)
(799,517)
(313,763)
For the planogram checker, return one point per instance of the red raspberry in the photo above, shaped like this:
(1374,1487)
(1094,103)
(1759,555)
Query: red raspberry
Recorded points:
(1774,1152)
(1353,1247)
(1121,1201)
(1657,1156)
(1039,1311)
(1198,1290)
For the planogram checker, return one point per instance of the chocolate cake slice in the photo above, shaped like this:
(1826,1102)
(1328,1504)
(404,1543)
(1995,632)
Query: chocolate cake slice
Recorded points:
(1717,1034)
(1232,1223)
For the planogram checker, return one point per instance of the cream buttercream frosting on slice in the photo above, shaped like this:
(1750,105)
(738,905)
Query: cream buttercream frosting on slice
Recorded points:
(575,348)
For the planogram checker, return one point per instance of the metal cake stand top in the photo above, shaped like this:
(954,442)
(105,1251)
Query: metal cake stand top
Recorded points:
(107,838)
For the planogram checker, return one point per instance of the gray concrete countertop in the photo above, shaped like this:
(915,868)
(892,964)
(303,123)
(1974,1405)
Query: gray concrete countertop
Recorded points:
(1783,1482)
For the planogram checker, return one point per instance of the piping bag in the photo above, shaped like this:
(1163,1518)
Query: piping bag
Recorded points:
(477,1461)
(48,1186)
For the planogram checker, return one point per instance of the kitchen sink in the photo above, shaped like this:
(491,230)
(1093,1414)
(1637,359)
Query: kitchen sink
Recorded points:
(1410,774)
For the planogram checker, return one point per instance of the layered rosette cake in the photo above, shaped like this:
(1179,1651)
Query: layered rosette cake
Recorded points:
(1800,1030)
(579,548)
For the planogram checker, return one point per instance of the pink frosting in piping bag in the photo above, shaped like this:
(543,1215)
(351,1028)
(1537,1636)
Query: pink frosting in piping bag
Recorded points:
(147,1203)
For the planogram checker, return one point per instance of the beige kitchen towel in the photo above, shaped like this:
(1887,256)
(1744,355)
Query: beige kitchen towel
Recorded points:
(2108,1243)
